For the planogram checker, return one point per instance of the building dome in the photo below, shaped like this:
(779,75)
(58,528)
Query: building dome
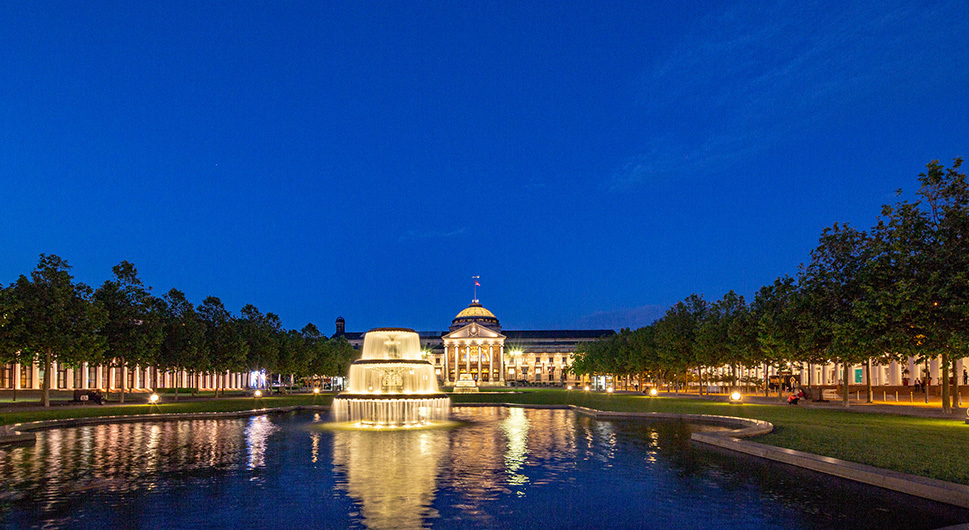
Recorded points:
(475,313)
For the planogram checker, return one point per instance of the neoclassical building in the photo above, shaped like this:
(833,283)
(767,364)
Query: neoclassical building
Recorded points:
(476,345)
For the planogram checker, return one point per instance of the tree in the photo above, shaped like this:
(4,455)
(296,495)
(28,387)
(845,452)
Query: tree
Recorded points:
(133,330)
(832,284)
(11,329)
(262,334)
(184,335)
(55,319)
(676,335)
(225,344)
(715,343)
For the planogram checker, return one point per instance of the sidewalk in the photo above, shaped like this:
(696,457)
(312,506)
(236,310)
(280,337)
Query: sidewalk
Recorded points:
(918,407)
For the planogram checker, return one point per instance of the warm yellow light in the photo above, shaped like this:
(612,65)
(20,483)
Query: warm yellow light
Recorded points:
(257,393)
(316,390)
(653,392)
(736,397)
(587,387)
(153,398)
(609,390)
(570,387)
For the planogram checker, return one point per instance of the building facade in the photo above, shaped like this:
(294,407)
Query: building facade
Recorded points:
(475,345)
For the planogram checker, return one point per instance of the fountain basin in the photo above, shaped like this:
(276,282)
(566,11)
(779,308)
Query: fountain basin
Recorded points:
(392,385)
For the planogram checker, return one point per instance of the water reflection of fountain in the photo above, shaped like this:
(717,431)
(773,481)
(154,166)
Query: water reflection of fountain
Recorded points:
(392,475)
(391,385)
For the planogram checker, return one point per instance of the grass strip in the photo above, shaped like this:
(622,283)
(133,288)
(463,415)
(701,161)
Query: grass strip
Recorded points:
(182,407)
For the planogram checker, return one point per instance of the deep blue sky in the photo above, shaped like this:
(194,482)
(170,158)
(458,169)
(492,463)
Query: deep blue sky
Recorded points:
(593,163)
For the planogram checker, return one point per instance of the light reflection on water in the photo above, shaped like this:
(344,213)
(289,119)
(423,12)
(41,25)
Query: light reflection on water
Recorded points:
(502,468)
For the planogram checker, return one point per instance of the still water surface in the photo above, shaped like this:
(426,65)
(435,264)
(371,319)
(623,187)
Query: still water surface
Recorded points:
(506,468)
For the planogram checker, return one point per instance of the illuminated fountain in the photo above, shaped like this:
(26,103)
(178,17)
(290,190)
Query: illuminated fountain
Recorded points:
(391,385)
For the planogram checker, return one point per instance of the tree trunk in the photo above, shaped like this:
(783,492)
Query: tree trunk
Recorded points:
(699,379)
(868,391)
(45,397)
(845,381)
(810,374)
(945,384)
(766,382)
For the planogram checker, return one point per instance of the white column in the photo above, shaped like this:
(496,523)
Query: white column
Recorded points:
(478,349)
(36,383)
(447,371)
(16,376)
(501,363)
(70,379)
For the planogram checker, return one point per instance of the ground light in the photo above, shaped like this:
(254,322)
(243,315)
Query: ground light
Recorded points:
(653,392)
(153,402)
(736,398)
(609,390)
(256,395)
(570,387)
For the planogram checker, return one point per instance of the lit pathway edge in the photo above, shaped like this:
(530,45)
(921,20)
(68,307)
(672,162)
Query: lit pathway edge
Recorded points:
(22,432)
(927,488)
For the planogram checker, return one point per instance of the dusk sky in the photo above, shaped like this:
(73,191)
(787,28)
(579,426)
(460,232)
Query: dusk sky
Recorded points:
(592,162)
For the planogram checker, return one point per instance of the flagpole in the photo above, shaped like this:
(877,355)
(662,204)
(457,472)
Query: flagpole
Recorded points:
(475,280)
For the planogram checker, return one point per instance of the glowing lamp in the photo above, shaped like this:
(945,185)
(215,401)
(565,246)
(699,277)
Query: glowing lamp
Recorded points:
(316,390)
(257,393)
(609,390)
(736,397)
(587,388)
(153,398)
(653,392)
(570,387)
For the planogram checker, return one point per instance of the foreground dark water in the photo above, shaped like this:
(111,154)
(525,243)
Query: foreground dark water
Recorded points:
(507,468)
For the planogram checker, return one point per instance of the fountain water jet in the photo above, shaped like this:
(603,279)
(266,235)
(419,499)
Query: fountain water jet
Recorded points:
(391,385)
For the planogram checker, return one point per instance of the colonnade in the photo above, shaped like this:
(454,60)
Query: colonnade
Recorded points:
(17,376)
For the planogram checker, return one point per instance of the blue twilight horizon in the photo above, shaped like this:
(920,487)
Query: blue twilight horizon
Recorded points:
(592,162)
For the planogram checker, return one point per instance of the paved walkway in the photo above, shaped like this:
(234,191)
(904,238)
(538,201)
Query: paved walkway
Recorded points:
(903,407)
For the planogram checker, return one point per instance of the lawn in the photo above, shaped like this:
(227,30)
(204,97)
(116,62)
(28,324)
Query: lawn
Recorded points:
(228,404)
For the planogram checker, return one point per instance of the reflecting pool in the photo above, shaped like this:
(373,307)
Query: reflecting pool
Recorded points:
(508,468)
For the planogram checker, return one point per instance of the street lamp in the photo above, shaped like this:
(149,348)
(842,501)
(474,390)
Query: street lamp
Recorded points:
(736,398)
(653,392)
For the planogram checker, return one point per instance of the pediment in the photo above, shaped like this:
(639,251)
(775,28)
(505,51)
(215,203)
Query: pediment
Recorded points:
(474,331)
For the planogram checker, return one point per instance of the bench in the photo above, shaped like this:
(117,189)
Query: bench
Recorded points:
(88,396)
(830,394)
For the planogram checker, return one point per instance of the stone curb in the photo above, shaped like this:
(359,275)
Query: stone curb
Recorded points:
(22,432)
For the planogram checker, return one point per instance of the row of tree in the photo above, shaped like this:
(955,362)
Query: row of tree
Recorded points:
(48,317)
(897,290)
